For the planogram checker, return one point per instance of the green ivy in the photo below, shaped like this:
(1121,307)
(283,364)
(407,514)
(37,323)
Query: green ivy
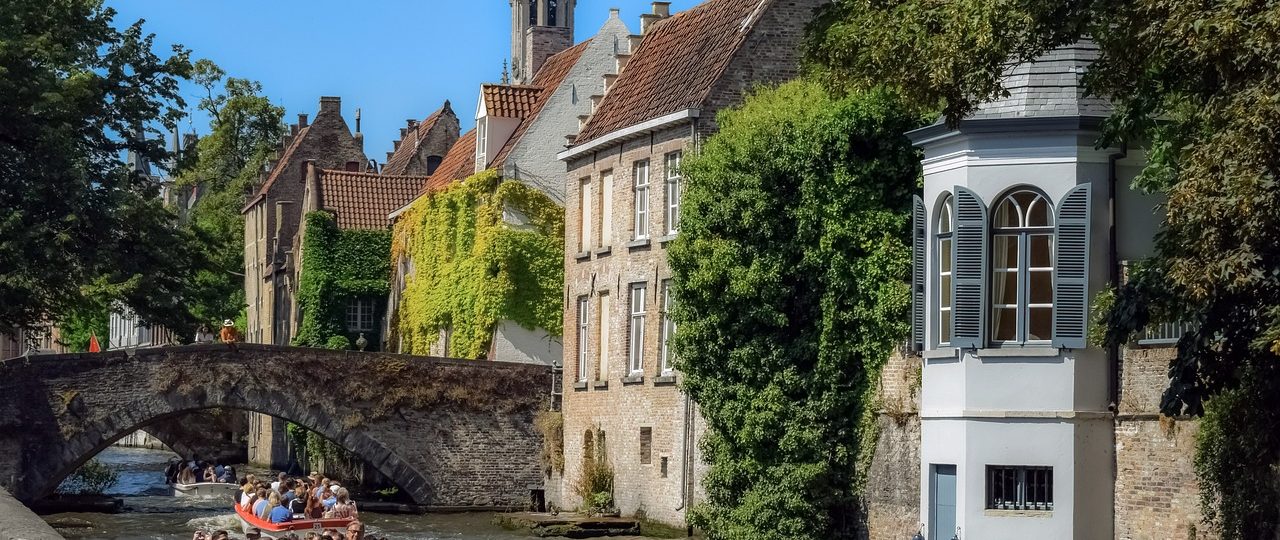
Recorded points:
(474,269)
(338,265)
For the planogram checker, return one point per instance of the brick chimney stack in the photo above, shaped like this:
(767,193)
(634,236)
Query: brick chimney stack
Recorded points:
(302,120)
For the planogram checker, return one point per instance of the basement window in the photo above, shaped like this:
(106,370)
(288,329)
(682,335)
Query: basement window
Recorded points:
(1019,488)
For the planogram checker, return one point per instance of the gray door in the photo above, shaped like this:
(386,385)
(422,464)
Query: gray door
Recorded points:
(942,505)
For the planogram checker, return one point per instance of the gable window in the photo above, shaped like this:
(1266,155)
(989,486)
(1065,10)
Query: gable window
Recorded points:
(641,175)
(672,169)
(1019,488)
(1022,236)
(583,318)
(482,142)
(946,228)
(668,327)
(360,315)
(635,359)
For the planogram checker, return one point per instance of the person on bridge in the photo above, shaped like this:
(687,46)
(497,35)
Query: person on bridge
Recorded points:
(229,332)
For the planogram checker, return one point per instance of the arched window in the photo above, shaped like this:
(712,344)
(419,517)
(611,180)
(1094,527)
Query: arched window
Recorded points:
(1022,236)
(946,229)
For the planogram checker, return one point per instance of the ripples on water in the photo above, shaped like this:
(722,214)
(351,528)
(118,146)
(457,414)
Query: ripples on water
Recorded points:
(152,514)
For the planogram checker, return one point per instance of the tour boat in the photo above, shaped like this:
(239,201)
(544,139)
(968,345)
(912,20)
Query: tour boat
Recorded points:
(280,530)
(206,490)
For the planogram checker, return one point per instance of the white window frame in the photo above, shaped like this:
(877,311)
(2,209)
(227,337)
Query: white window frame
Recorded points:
(1021,235)
(640,205)
(606,209)
(361,311)
(585,220)
(668,328)
(635,349)
(672,171)
(584,318)
(482,142)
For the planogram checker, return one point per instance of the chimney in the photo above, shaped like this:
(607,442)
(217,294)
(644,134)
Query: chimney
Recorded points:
(302,120)
(312,202)
(662,9)
(293,131)
(646,22)
(411,123)
(389,155)
(330,104)
(357,120)
(395,145)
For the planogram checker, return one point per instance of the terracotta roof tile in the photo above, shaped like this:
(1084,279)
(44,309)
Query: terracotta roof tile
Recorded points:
(398,164)
(548,78)
(458,164)
(363,200)
(509,101)
(675,66)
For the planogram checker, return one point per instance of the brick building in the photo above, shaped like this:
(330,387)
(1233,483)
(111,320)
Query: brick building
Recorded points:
(423,145)
(623,198)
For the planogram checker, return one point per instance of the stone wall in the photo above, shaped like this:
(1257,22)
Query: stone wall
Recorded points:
(17,522)
(215,435)
(891,500)
(1156,493)
(449,432)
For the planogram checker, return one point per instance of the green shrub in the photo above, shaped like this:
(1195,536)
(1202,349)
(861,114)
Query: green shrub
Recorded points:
(92,478)
(338,343)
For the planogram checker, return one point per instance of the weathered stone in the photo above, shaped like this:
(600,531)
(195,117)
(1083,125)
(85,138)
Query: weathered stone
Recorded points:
(449,432)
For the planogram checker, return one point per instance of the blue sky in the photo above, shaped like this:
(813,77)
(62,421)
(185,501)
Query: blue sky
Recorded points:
(393,59)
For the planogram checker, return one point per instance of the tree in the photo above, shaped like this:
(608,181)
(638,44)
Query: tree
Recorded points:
(790,277)
(1196,84)
(74,222)
(245,128)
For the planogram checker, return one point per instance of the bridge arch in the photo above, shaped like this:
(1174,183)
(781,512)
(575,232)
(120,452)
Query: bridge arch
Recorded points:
(448,432)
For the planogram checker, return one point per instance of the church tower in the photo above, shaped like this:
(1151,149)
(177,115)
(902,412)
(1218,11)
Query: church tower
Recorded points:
(539,29)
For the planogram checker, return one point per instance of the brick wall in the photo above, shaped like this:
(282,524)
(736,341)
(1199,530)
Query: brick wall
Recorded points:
(891,501)
(1156,491)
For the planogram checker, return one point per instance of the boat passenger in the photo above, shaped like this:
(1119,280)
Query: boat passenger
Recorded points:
(260,505)
(315,506)
(330,497)
(272,501)
(246,494)
(279,513)
(210,475)
(221,535)
(355,531)
(321,488)
(298,504)
(227,475)
(187,476)
(288,491)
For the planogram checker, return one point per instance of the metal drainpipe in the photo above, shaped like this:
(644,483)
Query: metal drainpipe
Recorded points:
(686,453)
(1113,351)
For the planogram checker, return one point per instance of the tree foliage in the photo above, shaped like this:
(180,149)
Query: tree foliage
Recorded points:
(338,265)
(224,165)
(473,269)
(790,276)
(74,222)
(1194,82)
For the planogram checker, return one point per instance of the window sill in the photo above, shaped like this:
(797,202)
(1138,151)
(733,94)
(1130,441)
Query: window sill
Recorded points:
(1018,513)
(664,380)
(667,238)
(580,386)
(582,255)
(634,379)
(604,250)
(945,352)
(1014,351)
(600,385)
(638,243)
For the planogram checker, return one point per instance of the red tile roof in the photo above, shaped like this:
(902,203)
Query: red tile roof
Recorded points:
(675,66)
(363,200)
(548,78)
(508,101)
(398,163)
(458,164)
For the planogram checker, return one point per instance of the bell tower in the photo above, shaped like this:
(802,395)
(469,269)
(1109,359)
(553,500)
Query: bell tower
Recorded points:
(539,29)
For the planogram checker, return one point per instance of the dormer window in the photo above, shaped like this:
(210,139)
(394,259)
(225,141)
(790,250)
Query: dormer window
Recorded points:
(482,142)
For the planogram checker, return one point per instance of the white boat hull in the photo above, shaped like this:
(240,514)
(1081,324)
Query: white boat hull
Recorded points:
(205,490)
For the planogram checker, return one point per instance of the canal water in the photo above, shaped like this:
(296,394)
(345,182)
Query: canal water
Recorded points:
(152,514)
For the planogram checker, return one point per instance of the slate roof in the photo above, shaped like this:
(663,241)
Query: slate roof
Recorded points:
(398,163)
(675,66)
(280,166)
(508,100)
(458,164)
(1048,86)
(548,78)
(363,200)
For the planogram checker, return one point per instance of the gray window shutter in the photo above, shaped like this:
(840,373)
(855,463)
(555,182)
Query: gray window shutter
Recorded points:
(1071,270)
(918,273)
(969,279)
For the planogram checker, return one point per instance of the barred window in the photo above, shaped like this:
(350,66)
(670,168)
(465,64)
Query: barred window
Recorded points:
(1019,488)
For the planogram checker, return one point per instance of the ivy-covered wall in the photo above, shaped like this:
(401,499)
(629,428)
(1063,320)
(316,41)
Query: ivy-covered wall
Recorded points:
(338,265)
(473,269)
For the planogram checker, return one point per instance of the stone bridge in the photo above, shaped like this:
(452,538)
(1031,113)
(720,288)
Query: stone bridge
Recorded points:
(450,433)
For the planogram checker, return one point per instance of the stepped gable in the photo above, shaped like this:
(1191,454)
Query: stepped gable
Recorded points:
(363,200)
(458,164)
(548,78)
(281,164)
(398,163)
(675,66)
(1049,86)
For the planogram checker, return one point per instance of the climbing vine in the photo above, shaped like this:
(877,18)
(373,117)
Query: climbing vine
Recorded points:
(482,251)
(338,265)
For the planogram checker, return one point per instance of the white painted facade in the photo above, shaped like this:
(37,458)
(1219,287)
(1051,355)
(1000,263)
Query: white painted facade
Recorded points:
(1030,404)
